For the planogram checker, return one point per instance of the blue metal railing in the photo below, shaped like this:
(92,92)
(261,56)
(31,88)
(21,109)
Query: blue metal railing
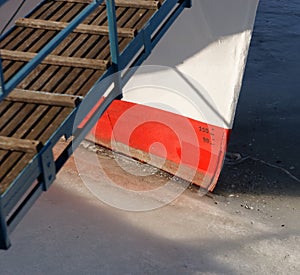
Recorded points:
(43,163)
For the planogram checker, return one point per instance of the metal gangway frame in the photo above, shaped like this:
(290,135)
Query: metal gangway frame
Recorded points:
(41,171)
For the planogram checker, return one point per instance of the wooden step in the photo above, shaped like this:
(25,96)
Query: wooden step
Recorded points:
(56,60)
(20,145)
(139,4)
(43,98)
(82,28)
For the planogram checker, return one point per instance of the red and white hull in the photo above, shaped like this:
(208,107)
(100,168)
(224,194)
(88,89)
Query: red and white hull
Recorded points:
(178,109)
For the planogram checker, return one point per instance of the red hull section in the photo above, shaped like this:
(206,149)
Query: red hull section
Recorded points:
(182,146)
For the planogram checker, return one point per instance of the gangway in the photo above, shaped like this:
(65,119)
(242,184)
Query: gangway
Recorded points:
(55,68)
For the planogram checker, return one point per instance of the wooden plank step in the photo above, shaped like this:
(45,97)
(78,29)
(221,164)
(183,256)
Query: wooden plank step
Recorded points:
(43,98)
(21,145)
(82,28)
(139,4)
(56,60)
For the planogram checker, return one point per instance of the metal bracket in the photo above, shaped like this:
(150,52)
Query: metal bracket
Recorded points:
(48,167)
(147,41)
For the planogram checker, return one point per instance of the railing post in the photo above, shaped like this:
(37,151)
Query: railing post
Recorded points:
(2,87)
(114,46)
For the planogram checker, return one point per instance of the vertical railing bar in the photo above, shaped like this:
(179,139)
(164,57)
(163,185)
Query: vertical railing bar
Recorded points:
(113,32)
(33,63)
(114,46)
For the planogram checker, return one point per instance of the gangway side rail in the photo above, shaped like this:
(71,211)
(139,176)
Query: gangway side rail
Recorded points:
(40,172)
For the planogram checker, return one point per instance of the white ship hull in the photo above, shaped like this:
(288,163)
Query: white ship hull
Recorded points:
(195,72)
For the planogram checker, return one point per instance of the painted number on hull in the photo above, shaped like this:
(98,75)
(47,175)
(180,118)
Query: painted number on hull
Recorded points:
(204,129)
(205,139)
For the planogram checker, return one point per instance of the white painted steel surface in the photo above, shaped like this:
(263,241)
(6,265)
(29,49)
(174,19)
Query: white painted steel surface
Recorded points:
(209,45)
